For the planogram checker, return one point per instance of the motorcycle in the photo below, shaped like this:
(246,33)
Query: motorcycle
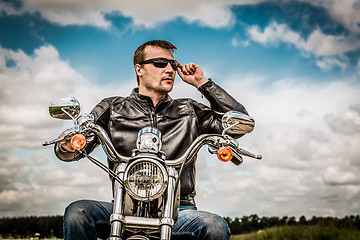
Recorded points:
(147,187)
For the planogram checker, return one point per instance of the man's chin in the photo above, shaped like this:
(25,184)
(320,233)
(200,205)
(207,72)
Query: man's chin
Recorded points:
(167,87)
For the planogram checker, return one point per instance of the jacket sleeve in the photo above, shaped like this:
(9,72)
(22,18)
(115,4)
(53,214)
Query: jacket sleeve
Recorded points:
(220,102)
(101,114)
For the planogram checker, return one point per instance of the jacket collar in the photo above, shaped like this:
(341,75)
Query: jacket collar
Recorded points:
(147,100)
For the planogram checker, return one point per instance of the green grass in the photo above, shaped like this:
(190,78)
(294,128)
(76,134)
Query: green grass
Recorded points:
(301,233)
(30,238)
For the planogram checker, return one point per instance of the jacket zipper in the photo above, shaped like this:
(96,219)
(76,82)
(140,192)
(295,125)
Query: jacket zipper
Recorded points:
(153,119)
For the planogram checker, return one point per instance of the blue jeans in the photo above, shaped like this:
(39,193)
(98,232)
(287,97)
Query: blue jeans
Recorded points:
(88,219)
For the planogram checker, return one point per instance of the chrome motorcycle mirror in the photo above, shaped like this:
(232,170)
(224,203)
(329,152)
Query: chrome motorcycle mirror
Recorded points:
(65,108)
(237,123)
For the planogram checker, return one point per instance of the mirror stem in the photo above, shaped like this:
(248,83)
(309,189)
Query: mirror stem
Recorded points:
(64,110)
(224,131)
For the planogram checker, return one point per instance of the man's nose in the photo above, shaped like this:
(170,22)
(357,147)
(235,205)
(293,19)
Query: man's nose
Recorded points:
(169,68)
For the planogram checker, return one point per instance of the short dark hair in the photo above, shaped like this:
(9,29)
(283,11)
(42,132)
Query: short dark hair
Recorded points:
(139,54)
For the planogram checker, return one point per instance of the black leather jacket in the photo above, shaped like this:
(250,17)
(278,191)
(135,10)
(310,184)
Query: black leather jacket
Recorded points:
(180,121)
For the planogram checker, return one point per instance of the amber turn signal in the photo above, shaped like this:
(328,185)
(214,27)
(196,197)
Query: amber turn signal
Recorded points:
(78,141)
(225,154)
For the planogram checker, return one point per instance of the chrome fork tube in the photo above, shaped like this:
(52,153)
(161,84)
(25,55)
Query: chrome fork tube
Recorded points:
(118,210)
(167,220)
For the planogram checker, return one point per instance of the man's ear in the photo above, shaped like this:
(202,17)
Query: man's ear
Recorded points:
(138,70)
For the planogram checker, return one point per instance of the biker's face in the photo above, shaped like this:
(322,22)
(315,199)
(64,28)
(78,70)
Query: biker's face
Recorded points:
(153,79)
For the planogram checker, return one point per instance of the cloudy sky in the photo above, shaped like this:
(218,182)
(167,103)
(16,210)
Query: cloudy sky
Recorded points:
(295,65)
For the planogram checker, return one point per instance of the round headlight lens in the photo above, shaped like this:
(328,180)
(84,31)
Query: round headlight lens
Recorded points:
(145,180)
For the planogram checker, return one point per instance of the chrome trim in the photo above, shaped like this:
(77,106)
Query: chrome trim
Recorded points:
(165,232)
(133,224)
(118,208)
(65,108)
(210,139)
(247,153)
(150,130)
(84,119)
(235,122)
(107,143)
(138,237)
(149,140)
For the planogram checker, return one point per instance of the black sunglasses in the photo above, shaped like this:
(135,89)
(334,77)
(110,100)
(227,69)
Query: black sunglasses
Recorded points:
(161,62)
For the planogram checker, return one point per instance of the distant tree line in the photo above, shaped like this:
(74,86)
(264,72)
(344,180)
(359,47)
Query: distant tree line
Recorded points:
(27,227)
(51,226)
(252,223)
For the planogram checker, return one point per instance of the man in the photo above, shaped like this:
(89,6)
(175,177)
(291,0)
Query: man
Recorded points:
(180,122)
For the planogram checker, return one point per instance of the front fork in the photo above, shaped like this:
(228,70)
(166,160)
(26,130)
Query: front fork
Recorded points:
(116,218)
(168,214)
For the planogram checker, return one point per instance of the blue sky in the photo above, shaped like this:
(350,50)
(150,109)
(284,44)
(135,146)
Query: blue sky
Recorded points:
(295,65)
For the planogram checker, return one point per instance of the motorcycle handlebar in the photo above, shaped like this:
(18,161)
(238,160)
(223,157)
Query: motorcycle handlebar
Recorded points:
(205,139)
(189,155)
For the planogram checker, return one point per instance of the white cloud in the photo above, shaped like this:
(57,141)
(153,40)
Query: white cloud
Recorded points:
(27,88)
(325,45)
(83,12)
(347,123)
(211,13)
(236,41)
(317,43)
(329,49)
(71,12)
(328,63)
(29,84)
(274,34)
(308,135)
(334,175)
(28,189)
(347,12)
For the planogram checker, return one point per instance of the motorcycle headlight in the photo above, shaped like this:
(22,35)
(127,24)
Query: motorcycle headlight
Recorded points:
(145,179)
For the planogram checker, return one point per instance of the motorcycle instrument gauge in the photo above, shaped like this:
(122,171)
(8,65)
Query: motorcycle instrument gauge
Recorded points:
(149,140)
